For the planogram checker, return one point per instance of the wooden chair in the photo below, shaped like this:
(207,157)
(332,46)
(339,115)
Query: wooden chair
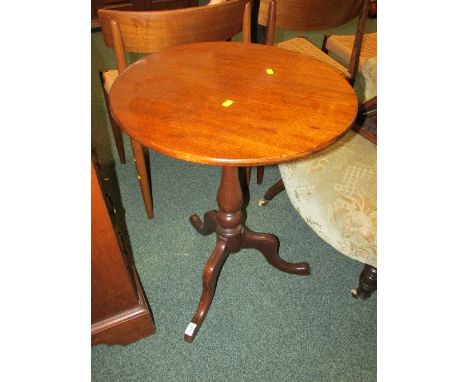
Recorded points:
(152,31)
(342,47)
(318,15)
(315,15)
(311,15)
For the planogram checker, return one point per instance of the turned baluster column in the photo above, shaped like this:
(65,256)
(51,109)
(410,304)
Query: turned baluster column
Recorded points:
(228,240)
(229,215)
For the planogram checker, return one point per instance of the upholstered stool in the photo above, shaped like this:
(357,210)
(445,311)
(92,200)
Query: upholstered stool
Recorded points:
(335,193)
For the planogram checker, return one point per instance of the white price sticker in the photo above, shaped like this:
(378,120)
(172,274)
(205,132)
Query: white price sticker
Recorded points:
(190,328)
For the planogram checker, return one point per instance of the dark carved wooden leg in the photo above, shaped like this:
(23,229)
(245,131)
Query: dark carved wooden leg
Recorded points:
(272,192)
(209,278)
(231,237)
(228,230)
(207,226)
(268,245)
(116,131)
(367,283)
(260,172)
(142,174)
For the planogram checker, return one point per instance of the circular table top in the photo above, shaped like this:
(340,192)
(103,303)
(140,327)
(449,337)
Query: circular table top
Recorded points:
(232,104)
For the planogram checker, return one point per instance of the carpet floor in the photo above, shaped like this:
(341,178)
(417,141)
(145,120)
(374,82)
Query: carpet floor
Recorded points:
(263,325)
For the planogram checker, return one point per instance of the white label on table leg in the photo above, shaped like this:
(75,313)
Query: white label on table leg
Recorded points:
(190,328)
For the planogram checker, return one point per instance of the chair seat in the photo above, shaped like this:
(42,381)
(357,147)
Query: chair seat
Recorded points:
(301,45)
(108,78)
(334,191)
(342,46)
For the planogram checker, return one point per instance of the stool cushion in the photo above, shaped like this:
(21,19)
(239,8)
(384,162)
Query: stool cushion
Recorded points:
(335,193)
(109,77)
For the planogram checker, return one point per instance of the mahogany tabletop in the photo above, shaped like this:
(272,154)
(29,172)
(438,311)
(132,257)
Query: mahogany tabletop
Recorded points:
(232,104)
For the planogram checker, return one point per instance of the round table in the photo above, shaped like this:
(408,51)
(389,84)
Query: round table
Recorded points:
(232,105)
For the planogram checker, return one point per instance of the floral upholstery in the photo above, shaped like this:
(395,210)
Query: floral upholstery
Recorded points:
(335,193)
(369,72)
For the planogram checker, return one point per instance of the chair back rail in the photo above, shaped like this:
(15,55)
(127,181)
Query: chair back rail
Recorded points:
(310,15)
(152,31)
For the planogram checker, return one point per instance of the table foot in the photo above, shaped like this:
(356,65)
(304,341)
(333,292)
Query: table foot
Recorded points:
(262,202)
(268,245)
(207,226)
(209,279)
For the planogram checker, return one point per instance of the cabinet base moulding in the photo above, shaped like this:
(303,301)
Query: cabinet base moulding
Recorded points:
(126,327)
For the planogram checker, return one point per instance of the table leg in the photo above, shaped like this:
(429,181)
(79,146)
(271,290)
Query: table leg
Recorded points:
(210,276)
(268,245)
(231,237)
(207,226)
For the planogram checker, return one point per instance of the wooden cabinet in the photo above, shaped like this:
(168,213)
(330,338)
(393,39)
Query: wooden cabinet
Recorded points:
(137,5)
(119,311)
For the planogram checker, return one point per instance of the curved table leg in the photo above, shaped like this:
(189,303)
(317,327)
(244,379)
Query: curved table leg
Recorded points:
(268,245)
(207,226)
(231,237)
(210,276)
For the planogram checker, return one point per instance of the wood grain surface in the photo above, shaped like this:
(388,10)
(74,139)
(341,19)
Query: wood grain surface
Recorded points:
(148,32)
(311,14)
(172,102)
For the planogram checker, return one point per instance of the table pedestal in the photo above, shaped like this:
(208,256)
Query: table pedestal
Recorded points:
(231,237)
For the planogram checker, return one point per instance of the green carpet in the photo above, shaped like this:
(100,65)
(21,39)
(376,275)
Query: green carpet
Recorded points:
(263,325)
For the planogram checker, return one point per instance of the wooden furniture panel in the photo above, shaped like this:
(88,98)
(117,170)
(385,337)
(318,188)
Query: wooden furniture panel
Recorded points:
(119,312)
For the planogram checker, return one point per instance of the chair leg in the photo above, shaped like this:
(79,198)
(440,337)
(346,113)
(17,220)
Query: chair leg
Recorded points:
(367,283)
(272,192)
(372,13)
(260,172)
(248,172)
(116,131)
(324,44)
(142,173)
(118,138)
